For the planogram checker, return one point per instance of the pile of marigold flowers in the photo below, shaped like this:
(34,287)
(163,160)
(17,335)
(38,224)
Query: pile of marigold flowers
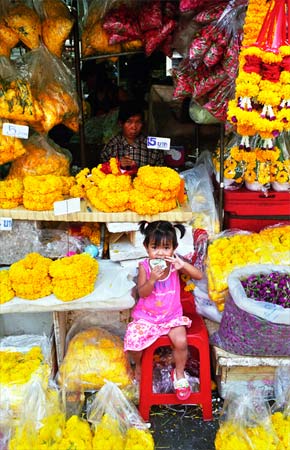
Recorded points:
(74,276)
(36,276)
(108,436)
(154,190)
(226,253)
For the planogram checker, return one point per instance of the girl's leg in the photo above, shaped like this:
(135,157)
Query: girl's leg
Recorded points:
(178,338)
(136,358)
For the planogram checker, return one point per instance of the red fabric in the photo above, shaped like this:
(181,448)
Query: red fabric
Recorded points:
(253,64)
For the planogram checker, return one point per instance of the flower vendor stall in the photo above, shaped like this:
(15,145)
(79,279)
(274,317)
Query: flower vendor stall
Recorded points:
(65,225)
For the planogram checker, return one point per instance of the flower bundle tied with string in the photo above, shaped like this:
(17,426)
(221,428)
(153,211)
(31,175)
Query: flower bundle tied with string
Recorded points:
(262,99)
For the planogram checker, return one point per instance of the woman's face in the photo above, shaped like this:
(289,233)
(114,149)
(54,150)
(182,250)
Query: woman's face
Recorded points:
(160,251)
(132,127)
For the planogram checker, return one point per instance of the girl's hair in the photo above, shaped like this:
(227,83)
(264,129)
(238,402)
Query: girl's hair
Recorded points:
(160,231)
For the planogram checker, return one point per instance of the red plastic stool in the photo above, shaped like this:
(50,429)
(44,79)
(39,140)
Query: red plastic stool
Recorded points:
(197,337)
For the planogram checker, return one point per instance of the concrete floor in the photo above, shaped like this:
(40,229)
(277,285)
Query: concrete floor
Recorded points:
(180,427)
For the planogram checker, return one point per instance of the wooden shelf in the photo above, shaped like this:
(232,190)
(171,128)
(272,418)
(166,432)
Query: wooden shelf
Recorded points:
(90,214)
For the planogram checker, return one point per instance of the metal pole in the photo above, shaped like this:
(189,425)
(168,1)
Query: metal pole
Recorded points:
(221,186)
(79,87)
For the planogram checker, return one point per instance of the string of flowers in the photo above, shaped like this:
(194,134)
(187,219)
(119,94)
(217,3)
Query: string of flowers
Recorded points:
(40,192)
(6,291)
(74,276)
(11,193)
(30,277)
(262,98)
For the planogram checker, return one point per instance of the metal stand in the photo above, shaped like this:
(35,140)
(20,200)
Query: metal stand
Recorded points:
(221,185)
(76,39)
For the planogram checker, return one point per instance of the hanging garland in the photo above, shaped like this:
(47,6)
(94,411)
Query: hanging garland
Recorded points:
(262,99)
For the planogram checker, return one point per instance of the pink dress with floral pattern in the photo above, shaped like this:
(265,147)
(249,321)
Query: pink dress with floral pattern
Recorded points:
(155,315)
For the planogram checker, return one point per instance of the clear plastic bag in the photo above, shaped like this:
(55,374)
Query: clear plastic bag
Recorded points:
(54,88)
(245,424)
(94,355)
(25,359)
(42,157)
(56,24)
(117,422)
(199,190)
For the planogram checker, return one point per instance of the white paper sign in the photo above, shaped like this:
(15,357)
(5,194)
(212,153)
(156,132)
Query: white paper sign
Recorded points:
(5,224)
(159,143)
(18,131)
(69,206)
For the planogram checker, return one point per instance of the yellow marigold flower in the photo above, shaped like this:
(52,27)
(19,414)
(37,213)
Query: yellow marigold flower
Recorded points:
(6,291)
(139,440)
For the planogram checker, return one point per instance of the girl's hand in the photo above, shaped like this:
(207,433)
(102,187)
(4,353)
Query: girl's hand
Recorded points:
(176,261)
(157,273)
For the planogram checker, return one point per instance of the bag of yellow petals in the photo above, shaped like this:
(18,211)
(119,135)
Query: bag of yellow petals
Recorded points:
(116,422)
(246,424)
(93,356)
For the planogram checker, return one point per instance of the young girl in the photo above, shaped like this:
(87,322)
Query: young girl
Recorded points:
(159,309)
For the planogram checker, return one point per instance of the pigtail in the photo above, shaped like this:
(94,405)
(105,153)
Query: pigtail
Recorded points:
(143,224)
(181,228)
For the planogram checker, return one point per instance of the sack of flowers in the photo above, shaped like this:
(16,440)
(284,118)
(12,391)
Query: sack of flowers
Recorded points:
(256,318)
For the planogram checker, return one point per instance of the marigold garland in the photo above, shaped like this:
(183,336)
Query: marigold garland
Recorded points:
(74,276)
(11,193)
(262,96)
(30,278)
(40,192)
(6,291)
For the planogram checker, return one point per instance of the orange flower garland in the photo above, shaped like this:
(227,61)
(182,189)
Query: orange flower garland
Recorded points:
(11,193)
(262,99)
(30,278)
(40,192)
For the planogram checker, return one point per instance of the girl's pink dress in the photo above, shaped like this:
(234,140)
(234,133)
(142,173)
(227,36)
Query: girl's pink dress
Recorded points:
(155,315)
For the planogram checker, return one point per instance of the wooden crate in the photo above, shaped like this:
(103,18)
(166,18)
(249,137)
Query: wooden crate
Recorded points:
(62,322)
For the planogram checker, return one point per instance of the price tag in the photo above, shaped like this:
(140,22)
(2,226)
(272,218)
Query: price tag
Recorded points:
(5,224)
(158,143)
(18,131)
(69,206)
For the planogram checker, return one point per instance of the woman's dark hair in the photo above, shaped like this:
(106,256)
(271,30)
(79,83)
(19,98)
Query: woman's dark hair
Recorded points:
(161,231)
(128,109)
